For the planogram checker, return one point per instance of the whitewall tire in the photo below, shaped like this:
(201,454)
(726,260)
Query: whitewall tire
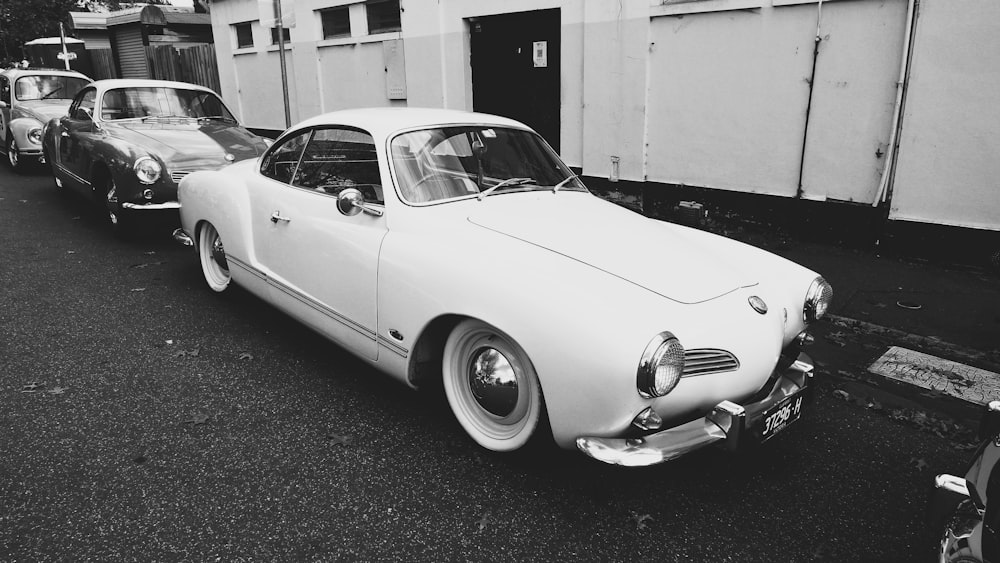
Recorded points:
(212,255)
(491,386)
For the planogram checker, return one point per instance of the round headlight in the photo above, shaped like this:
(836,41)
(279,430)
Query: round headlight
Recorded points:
(817,300)
(35,135)
(147,170)
(661,366)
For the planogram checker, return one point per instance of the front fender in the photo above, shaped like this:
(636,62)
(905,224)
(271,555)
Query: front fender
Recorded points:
(20,127)
(583,329)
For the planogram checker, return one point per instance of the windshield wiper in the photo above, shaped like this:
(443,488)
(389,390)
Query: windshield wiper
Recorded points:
(571,177)
(507,182)
(50,92)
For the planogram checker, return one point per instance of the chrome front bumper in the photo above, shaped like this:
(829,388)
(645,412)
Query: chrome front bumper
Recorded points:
(152,206)
(728,422)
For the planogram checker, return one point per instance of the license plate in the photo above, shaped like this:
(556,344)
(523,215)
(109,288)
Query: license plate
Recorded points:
(778,417)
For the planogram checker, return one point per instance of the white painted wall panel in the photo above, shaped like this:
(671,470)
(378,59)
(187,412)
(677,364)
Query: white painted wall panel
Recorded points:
(949,153)
(727,99)
(851,117)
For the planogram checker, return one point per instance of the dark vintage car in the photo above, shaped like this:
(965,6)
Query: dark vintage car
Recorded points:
(127,143)
(965,510)
(29,98)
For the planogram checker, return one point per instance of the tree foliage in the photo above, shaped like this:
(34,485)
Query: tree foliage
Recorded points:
(24,20)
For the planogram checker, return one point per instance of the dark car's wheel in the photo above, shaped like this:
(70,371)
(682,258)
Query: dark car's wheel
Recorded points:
(212,255)
(13,154)
(491,386)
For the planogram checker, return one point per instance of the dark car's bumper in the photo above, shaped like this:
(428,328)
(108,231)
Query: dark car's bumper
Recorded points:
(727,422)
(151,206)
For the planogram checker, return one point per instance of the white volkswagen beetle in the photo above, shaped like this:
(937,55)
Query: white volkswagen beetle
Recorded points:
(444,244)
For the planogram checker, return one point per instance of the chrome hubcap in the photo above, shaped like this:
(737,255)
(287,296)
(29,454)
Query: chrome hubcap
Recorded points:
(219,253)
(493,381)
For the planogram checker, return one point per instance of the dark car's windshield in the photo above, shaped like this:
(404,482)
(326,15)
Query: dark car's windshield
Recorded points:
(453,162)
(157,101)
(48,87)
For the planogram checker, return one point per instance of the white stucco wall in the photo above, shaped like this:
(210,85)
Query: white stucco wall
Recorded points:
(949,151)
(708,93)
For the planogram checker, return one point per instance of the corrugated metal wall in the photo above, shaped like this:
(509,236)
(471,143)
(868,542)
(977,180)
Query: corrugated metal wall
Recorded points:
(131,53)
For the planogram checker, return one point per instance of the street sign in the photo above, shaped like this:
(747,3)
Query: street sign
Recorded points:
(66,56)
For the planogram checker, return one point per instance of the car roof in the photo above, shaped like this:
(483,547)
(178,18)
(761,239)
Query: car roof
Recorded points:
(19,72)
(384,121)
(110,83)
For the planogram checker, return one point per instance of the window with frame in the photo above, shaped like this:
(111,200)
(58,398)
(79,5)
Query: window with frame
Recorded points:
(244,35)
(336,159)
(383,16)
(336,22)
(281,162)
(83,106)
(274,35)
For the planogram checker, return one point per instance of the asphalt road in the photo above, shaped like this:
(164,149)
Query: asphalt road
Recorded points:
(143,417)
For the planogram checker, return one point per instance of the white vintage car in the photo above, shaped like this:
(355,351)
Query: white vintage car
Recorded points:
(453,245)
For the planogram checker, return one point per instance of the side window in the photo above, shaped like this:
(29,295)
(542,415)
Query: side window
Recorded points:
(281,162)
(336,159)
(86,109)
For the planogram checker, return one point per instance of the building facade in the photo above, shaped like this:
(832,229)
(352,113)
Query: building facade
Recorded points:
(866,102)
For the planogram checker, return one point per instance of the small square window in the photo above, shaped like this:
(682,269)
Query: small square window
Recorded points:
(336,22)
(274,35)
(244,35)
(383,16)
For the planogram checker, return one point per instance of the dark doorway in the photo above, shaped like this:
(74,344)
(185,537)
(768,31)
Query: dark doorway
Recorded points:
(515,69)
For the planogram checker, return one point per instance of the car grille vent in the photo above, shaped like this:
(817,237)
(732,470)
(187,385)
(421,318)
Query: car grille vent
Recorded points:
(705,361)
(177,175)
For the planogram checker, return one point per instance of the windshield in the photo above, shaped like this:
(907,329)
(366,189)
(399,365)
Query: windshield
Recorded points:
(156,101)
(462,161)
(48,87)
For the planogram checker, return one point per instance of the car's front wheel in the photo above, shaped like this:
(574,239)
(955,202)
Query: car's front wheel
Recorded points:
(212,255)
(13,154)
(491,386)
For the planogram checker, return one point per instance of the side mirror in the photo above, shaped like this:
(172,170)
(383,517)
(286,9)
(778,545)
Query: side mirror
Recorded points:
(350,202)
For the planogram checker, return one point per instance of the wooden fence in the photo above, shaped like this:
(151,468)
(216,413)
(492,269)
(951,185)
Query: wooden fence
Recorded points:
(196,64)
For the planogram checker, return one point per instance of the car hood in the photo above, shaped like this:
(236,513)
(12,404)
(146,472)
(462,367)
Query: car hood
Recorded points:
(41,110)
(190,144)
(673,261)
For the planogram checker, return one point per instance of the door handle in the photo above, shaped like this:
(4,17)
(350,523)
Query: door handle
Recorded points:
(64,134)
(277,216)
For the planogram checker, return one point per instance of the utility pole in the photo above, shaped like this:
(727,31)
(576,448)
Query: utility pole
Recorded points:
(281,57)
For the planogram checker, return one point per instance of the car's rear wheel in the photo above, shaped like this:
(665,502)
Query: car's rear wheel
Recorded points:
(212,255)
(491,386)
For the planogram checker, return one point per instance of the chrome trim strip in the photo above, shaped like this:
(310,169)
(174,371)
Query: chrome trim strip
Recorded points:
(246,268)
(321,308)
(393,347)
(66,171)
(315,305)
